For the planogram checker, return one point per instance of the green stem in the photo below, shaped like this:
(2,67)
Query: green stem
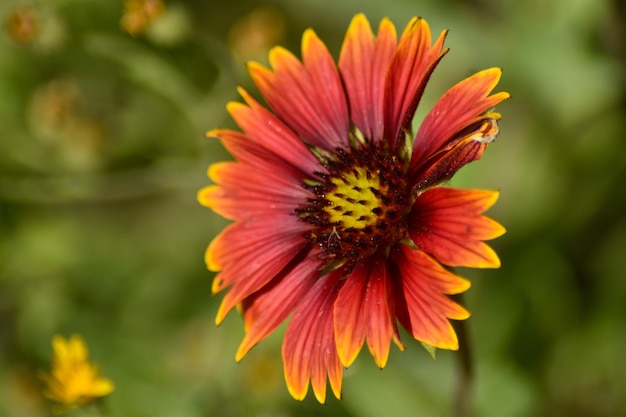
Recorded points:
(465,381)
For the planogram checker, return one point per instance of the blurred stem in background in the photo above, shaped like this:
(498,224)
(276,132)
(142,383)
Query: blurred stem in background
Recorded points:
(464,395)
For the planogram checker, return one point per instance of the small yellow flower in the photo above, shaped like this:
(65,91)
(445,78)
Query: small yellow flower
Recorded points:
(139,14)
(73,380)
(22,25)
(251,37)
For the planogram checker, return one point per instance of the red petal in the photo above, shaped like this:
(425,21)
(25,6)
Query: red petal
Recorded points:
(363,64)
(250,253)
(457,110)
(447,223)
(364,309)
(327,83)
(245,191)
(413,62)
(309,351)
(309,98)
(421,306)
(269,132)
(466,148)
(252,153)
(266,309)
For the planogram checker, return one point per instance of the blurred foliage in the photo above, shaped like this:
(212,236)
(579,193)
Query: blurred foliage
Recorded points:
(102,152)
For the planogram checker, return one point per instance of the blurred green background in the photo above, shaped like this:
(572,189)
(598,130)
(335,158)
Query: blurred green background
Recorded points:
(102,116)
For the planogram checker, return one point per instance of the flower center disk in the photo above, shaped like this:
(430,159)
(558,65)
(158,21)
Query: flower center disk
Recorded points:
(356,199)
(359,206)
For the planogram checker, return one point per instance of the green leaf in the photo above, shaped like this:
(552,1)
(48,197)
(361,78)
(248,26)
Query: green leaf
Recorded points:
(432,351)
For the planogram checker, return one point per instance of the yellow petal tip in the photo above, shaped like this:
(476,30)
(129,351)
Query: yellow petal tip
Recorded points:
(212,134)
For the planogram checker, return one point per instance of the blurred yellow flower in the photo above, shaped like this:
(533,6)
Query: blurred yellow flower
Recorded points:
(139,14)
(22,25)
(73,380)
(251,37)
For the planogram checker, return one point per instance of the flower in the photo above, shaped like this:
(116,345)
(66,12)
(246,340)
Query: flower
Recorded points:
(255,33)
(340,216)
(140,14)
(73,380)
(23,25)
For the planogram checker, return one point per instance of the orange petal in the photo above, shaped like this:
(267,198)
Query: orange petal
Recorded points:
(448,224)
(252,153)
(330,97)
(421,305)
(364,308)
(245,191)
(349,315)
(268,132)
(249,254)
(266,309)
(460,151)
(459,108)
(309,351)
(413,62)
(363,63)
(306,108)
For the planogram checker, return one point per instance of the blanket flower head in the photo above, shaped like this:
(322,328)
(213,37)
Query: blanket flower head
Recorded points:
(340,216)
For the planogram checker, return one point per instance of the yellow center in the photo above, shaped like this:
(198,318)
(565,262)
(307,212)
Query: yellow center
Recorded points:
(355,201)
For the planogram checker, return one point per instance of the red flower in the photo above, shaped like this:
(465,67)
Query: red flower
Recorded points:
(339,216)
